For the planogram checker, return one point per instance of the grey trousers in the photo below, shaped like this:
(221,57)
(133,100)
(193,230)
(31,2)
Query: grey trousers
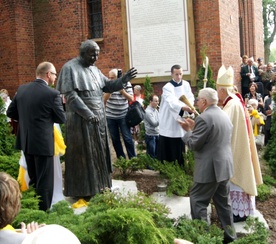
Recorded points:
(200,197)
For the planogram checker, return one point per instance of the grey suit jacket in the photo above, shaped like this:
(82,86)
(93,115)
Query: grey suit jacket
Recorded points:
(211,142)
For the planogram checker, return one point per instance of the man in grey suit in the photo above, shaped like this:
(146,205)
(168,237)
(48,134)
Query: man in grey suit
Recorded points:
(37,107)
(209,136)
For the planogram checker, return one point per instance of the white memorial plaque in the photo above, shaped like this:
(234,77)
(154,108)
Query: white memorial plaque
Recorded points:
(158,36)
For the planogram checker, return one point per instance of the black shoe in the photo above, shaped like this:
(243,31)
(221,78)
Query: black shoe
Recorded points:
(238,218)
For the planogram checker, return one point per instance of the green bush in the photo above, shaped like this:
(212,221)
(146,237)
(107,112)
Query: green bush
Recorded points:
(141,146)
(189,162)
(264,192)
(270,149)
(125,225)
(10,164)
(178,181)
(7,139)
(198,231)
(30,199)
(269,180)
(257,232)
(116,218)
(113,200)
(200,74)
(128,166)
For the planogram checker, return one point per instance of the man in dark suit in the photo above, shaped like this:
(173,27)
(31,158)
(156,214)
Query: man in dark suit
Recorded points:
(268,109)
(209,136)
(249,73)
(37,107)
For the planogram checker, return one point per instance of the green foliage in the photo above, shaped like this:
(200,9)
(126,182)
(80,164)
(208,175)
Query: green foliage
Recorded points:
(128,166)
(113,200)
(269,24)
(29,215)
(179,182)
(118,218)
(10,164)
(270,149)
(129,225)
(272,57)
(198,231)
(113,217)
(148,91)
(200,74)
(257,232)
(179,179)
(29,199)
(189,164)
(264,192)
(141,146)
(269,180)
(7,139)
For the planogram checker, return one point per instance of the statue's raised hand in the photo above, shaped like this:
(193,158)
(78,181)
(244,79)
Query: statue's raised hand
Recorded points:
(129,75)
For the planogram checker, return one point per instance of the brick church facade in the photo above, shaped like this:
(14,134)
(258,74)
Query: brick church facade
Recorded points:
(33,31)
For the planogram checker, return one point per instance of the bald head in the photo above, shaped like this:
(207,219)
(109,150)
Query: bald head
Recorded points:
(43,68)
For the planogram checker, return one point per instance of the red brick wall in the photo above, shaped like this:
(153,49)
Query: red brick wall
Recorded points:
(17,47)
(207,32)
(218,31)
(58,30)
(58,41)
(258,29)
(230,40)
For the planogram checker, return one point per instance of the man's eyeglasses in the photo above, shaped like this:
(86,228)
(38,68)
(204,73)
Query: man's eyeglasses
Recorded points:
(52,73)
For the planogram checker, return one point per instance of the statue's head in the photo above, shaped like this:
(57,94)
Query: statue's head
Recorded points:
(89,52)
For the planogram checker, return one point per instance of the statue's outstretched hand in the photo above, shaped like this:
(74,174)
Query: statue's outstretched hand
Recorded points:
(129,75)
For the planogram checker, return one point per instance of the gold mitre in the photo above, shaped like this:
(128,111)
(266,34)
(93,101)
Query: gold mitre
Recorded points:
(225,76)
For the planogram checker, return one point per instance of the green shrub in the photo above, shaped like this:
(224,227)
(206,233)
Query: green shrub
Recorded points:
(141,146)
(257,232)
(116,218)
(269,180)
(270,149)
(179,182)
(189,164)
(10,164)
(30,200)
(29,215)
(128,166)
(125,225)
(198,231)
(112,200)
(200,74)
(7,139)
(264,192)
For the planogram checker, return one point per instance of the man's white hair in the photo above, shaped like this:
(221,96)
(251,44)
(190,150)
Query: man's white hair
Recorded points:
(114,71)
(209,94)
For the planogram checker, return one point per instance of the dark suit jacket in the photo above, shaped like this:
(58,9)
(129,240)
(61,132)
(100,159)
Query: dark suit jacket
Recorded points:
(268,118)
(211,142)
(245,80)
(37,107)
